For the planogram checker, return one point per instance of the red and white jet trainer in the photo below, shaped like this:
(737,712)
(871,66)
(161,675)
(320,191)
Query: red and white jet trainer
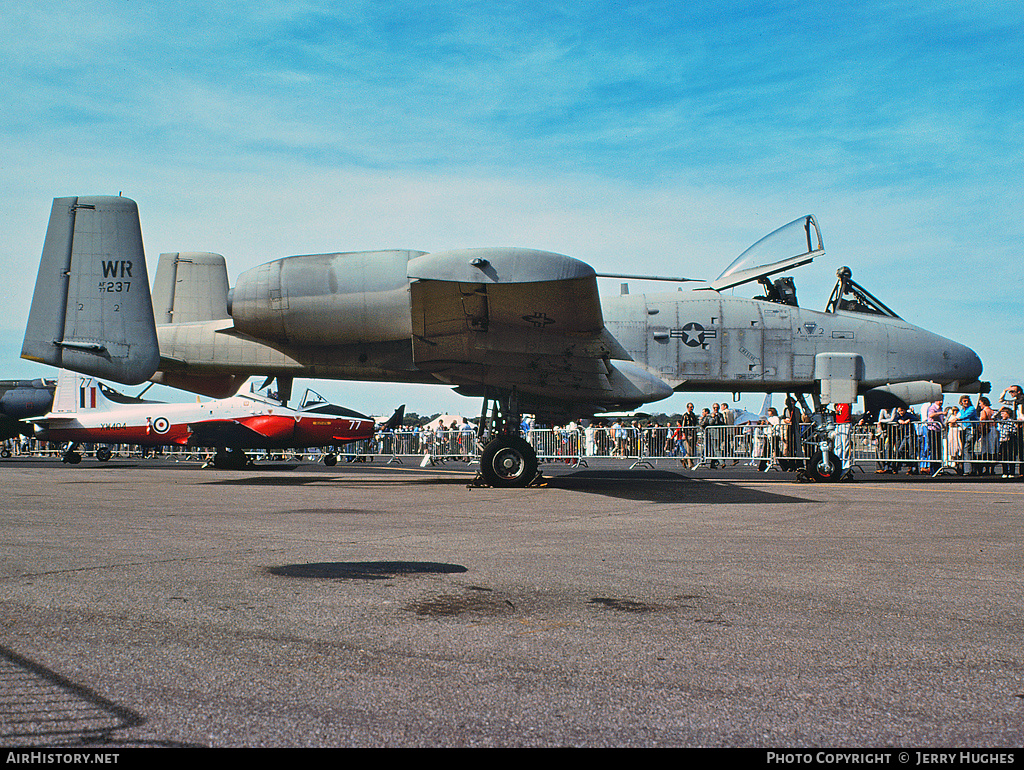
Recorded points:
(86,411)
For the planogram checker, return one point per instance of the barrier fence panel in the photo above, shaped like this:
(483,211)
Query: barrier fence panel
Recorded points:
(921,447)
(755,444)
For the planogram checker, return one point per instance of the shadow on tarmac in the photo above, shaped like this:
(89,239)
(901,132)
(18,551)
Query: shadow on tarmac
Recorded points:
(364,570)
(39,707)
(665,487)
(654,486)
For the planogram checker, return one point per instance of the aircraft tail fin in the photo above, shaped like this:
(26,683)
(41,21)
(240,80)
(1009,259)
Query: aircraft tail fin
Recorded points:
(75,393)
(190,286)
(395,421)
(91,309)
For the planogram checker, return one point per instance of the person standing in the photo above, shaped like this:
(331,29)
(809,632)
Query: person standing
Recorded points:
(843,435)
(933,421)
(729,444)
(1010,445)
(791,448)
(1013,397)
(690,424)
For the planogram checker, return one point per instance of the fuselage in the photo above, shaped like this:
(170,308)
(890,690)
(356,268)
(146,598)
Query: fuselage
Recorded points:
(710,341)
(699,340)
(157,424)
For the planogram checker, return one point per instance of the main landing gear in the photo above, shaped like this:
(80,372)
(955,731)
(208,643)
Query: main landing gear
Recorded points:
(507,459)
(229,459)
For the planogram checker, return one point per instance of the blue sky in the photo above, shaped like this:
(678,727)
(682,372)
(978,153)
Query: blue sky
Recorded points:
(650,137)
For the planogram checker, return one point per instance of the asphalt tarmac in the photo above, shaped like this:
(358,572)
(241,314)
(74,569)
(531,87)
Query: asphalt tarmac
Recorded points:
(151,604)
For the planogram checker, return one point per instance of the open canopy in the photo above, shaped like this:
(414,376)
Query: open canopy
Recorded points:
(790,246)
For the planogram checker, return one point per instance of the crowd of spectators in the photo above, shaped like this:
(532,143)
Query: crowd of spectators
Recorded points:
(972,437)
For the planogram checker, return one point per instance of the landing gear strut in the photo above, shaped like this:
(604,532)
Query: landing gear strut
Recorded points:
(71,455)
(231,459)
(507,459)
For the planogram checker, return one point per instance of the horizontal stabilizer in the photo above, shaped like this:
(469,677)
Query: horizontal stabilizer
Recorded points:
(91,309)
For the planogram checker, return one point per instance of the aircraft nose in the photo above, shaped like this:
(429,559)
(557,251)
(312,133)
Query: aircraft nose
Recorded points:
(966,362)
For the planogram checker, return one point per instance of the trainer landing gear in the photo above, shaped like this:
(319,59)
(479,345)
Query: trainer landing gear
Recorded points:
(71,455)
(231,460)
(507,459)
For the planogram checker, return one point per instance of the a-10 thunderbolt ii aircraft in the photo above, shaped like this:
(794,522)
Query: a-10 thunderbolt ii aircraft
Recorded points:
(86,411)
(525,330)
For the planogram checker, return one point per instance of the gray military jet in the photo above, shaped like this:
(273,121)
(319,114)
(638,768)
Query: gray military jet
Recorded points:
(19,400)
(524,330)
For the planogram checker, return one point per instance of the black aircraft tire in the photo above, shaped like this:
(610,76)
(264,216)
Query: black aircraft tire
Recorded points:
(72,458)
(508,462)
(103,454)
(231,460)
(330,460)
(816,470)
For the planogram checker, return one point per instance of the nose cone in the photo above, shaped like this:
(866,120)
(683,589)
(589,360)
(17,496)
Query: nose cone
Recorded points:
(966,362)
(916,354)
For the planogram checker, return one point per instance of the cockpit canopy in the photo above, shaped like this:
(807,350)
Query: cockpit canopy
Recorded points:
(791,246)
(314,403)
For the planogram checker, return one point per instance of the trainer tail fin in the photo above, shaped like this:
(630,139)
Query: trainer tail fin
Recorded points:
(91,309)
(75,393)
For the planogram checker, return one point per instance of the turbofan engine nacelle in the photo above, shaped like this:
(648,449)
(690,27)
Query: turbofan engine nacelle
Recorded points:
(905,393)
(326,299)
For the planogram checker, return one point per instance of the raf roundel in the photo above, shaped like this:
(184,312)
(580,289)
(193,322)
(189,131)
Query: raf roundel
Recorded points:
(161,425)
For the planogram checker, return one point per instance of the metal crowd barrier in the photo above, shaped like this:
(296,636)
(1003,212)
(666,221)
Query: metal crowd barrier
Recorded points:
(919,447)
(922,447)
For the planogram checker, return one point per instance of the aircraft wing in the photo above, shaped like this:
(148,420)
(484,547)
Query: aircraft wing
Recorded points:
(523,319)
(235,433)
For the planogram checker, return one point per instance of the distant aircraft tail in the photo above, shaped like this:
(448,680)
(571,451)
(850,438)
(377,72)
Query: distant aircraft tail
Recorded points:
(91,309)
(395,421)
